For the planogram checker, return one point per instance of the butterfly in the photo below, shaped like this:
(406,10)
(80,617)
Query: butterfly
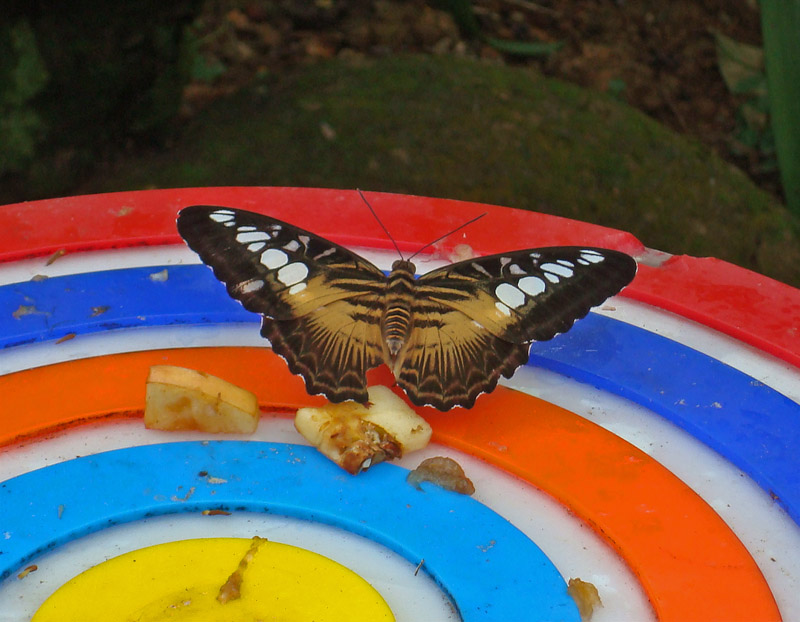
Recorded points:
(447,335)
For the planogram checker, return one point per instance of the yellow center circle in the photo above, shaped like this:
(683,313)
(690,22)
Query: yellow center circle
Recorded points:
(217,580)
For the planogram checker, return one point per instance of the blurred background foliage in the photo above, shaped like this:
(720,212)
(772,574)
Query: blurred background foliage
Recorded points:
(80,79)
(103,97)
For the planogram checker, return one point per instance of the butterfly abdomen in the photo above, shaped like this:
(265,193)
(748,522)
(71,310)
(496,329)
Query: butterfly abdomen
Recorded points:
(396,320)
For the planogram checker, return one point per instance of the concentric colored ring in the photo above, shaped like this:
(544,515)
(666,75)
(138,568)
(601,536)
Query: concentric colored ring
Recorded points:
(646,513)
(757,310)
(181,581)
(719,405)
(489,568)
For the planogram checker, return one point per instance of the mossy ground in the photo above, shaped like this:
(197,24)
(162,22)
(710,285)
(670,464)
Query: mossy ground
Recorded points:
(462,129)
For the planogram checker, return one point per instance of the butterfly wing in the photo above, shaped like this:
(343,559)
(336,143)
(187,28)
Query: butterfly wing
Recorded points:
(474,320)
(448,360)
(320,303)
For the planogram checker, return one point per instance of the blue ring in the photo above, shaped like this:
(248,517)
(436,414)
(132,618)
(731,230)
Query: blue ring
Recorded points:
(491,570)
(748,423)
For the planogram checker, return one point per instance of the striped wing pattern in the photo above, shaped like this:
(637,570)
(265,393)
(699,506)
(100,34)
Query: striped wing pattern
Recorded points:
(333,315)
(449,360)
(475,320)
(320,303)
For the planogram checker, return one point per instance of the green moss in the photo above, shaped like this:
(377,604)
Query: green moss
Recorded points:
(457,128)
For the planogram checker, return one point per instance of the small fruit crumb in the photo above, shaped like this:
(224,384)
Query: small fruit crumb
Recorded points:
(160,277)
(585,596)
(57,255)
(27,571)
(231,589)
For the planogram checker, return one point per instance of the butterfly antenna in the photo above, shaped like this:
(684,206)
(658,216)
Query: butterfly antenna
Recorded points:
(380,222)
(439,239)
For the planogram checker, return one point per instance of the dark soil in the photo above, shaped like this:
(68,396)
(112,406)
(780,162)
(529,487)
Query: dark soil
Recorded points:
(657,56)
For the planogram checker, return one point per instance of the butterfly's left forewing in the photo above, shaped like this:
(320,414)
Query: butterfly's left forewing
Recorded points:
(272,267)
(320,302)
(474,320)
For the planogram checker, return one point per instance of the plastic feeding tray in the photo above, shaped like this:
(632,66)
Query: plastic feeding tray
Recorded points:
(651,450)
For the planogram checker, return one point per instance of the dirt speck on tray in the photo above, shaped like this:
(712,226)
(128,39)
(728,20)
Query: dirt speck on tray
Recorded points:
(444,472)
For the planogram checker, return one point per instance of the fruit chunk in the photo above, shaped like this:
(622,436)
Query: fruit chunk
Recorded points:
(186,399)
(355,436)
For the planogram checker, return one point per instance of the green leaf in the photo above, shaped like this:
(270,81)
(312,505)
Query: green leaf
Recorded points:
(535,49)
(740,63)
(23,75)
(24,72)
(780,25)
(206,70)
(616,87)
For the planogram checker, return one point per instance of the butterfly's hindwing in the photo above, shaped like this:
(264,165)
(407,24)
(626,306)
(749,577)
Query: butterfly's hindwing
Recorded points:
(331,348)
(449,359)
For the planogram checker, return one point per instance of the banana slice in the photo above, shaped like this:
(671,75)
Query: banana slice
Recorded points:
(178,398)
(355,436)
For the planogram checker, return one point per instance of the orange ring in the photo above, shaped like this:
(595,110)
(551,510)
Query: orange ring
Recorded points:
(690,564)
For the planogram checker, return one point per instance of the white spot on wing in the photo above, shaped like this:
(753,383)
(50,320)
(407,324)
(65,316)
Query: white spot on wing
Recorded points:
(293,273)
(515,269)
(510,295)
(248,287)
(251,236)
(246,228)
(502,308)
(532,285)
(256,246)
(479,268)
(325,253)
(553,278)
(273,258)
(566,262)
(557,269)
(221,215)
(591,256)
(296,289)
(292,245)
